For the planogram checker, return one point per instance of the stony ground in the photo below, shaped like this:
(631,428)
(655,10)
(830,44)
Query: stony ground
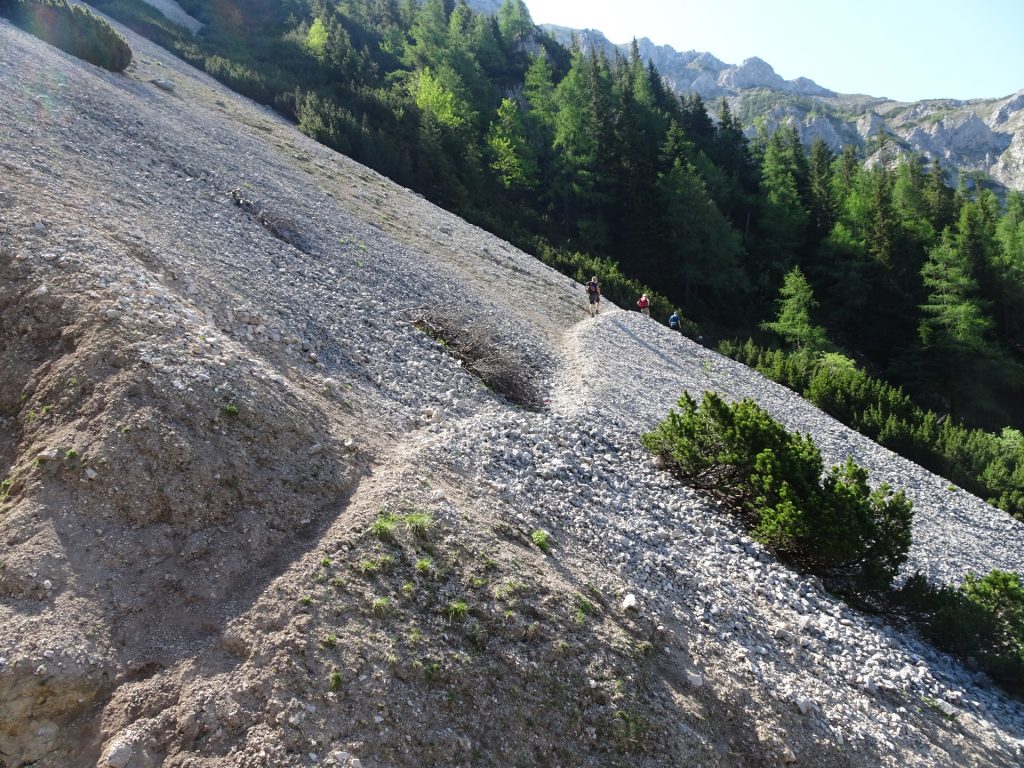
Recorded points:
(257,515)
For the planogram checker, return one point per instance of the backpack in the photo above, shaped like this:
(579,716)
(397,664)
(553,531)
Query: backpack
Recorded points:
(593,287)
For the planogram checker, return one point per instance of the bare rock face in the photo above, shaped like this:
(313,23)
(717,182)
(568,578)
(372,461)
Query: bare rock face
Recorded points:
(752,73)
(869,124)
(1009,168)
(819,127)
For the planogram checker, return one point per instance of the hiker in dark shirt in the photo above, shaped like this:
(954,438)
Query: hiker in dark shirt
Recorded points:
(594,294)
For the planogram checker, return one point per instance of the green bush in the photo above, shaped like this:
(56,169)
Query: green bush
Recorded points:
(986,464)
(831,524)
(73,29)
(982,619)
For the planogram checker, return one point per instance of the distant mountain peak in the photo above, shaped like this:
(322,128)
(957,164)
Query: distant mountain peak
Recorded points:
(687,72)
(983,136)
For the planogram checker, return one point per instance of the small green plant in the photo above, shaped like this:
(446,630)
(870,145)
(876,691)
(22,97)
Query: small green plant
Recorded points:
(335,679)
(325,562)
(415,635)
(306,600)
(419,523)
(432,672)
(477,581)
(642,649)
(5,488)
(935,704)
(320,578)
(230,410)
(584,608)
(375,565)
(330,640)
(408,588)
(509,590)
(488,563)
(457,610)
(380,606)
(424,566)
(383,527)
(628,729)
(542,539)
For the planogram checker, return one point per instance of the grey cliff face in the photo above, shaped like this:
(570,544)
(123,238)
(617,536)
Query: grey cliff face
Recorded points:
(752,73)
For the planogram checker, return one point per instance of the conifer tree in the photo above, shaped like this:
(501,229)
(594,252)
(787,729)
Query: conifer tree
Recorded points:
(1008,269)
(512,155)
(793,321)
(820,203)
(952,312)
(954,326)
(939,198)
(514,21)
(880,233)
(783,219)
(429,36)
(582,142)
(636,220)
(539,90)
(702,258)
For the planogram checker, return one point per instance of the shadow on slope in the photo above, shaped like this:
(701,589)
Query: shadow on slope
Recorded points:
(142,513)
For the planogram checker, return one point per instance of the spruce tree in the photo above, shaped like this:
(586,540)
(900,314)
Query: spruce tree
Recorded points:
(954,326)
(793,321)
(820,203)
(783,219)
(511,153)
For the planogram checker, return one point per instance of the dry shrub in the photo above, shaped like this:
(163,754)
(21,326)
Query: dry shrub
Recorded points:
(497,362)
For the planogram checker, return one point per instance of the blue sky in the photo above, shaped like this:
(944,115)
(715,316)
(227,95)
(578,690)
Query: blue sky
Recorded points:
(901,49)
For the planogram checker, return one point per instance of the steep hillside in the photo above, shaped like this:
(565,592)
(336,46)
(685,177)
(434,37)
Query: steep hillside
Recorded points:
(258,516)
(983,137)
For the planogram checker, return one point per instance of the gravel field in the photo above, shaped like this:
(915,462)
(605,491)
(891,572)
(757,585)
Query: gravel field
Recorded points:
(216,387)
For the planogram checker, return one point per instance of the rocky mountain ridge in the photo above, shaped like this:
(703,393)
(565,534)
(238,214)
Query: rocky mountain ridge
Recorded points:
(982,137)
(260,511)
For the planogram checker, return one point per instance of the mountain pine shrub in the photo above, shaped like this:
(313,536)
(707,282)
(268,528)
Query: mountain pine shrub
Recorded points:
(73,29)
(832,524)
(982,619)
(987,464)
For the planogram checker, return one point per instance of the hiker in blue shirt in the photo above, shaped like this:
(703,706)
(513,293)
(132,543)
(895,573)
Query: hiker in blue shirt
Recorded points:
(675,320)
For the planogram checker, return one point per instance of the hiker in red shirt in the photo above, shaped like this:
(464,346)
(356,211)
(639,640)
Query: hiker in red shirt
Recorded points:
(645,305)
